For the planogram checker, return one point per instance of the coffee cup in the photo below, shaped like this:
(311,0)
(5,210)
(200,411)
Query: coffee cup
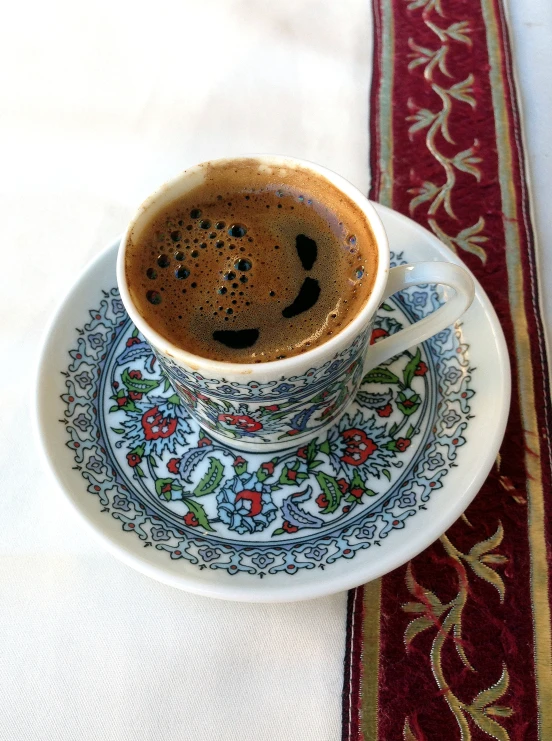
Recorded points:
(279,403)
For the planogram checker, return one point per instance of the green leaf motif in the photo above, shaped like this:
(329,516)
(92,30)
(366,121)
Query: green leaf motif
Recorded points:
(211,479)
(160,484)
(467,162)
(117,430)
(410,369)
(138,385)
(325,447)
(459,32)
(201,516)
(279,531)
(422,119)
(426,192)
(311,451)
(330,488)
(463,91)
(381,375)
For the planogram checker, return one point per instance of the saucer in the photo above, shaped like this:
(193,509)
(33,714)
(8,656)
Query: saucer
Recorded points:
(361,499)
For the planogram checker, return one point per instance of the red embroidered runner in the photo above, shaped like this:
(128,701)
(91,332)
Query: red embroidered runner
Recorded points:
(456,645)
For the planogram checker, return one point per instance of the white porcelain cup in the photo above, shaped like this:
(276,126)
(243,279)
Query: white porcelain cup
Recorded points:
(284,402)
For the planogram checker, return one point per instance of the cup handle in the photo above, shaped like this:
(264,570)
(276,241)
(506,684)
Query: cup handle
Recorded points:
(421,273)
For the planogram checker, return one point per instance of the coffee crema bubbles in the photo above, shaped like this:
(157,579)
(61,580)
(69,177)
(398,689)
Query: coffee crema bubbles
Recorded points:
(251,267)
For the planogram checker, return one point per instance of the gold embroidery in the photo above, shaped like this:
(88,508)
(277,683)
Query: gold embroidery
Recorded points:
(446,618)
(439,196)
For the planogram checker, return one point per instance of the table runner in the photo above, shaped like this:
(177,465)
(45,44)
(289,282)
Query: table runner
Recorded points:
(456,644)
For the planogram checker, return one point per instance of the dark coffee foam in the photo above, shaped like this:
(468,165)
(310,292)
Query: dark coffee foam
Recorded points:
(253,265)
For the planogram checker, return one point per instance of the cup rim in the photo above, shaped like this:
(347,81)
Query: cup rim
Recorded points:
(283,366)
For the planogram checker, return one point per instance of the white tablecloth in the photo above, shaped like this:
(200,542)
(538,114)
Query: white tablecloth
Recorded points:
(100,103)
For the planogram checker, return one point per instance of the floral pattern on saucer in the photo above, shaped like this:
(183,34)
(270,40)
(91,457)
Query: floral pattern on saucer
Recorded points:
(157,472)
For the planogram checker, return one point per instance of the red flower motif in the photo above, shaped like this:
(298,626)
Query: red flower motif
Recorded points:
(135,374)
(238,461)
(165,488)
(122,400)
(203,397)
(203,442)
(133,459)
(302,452)
(343,485)
(272,408)
(132,341)
(359,447)
(173,464)
(321,501)
(241,421)
(357,492)
(268,467)
(191,520)
(402,444)
(407,403)
(156,426)
(115,384)
(421,369)
(292,474)
(377,334)
(135,395)
(254,497)
(385,411)
(293,432)
(289,528)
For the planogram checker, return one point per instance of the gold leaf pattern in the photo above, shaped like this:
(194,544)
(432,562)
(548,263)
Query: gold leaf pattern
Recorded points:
(439,196)
(429,612)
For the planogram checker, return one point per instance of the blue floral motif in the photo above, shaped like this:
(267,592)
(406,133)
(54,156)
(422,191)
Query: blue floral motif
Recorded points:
(451,418)
(159,533)
(121,502)
(317,553)
(263,560)
(366,532)
(96,340)
(408,499)
(419,298)
(453,374)
(95,464)
(209,554)
(435,461)
(84,379)
(82,421)
(245,505)
(117,306)
(443,337)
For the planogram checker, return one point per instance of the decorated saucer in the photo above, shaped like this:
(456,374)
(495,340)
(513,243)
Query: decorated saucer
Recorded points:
(388,479)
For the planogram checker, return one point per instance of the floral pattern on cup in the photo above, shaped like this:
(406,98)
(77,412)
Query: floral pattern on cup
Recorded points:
(274,411)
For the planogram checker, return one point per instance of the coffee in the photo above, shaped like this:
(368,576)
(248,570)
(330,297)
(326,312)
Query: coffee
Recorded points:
(252,264)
